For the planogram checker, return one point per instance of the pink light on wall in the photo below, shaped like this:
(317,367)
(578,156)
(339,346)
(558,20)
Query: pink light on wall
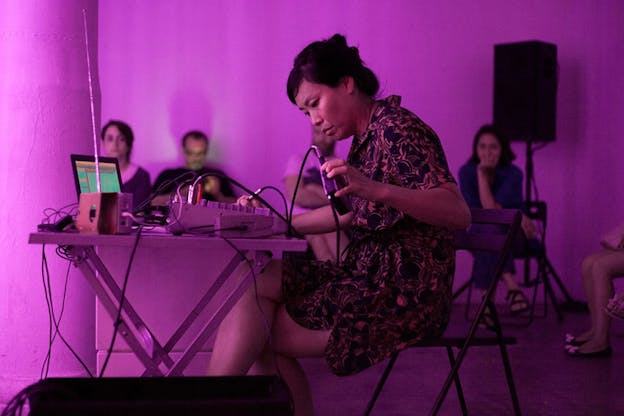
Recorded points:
(44,116)
(235,57)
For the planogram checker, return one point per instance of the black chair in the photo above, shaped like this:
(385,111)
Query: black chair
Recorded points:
(498,240)
(535,251)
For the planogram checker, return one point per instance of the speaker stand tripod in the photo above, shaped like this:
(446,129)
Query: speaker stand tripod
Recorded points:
(545,269)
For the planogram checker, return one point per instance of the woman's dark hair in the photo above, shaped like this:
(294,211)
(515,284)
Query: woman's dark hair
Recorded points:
(507,155)
(327,62)
(125,131)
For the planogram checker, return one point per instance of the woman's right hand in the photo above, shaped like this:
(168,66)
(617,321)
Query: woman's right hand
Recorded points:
(249,201)
(487,166)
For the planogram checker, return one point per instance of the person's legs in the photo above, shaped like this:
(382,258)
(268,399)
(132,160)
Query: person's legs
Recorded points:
(515,296)
(605,267)
(588,287)
(324,245)
(321,249)
(243,333)
(330,240)
(290,341)
(243,344)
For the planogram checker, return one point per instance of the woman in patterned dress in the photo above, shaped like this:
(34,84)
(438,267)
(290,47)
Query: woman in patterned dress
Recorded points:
(394,286)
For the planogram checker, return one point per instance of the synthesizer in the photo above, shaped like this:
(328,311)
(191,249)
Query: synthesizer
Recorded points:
(223,220)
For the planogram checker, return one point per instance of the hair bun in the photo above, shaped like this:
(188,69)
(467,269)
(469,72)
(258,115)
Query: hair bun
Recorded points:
(338,39)
(327,62)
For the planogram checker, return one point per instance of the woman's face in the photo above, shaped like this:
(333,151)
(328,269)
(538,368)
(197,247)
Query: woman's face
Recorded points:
(115,143)
(488,150)
(329,108)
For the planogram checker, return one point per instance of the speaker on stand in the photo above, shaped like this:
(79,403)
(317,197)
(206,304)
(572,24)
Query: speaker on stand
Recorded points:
(525,102)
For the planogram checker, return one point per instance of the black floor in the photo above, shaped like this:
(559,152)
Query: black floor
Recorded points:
(547,380)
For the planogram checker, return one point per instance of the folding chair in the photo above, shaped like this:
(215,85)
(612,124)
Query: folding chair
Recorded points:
(536,250)
(497,239)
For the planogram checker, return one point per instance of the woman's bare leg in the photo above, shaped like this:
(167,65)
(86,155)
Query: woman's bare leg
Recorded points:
(588,287)
(243,334)
(322,251)
(243,343)
(292,373)
(604,269)
(290,340)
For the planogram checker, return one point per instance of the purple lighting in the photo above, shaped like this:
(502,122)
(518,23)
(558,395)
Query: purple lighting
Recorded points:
(167,67)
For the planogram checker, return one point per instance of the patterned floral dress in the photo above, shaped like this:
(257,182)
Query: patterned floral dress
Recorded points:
(394,286)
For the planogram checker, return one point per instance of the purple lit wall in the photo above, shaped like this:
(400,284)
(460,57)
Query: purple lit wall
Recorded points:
(166,67)
(44,116)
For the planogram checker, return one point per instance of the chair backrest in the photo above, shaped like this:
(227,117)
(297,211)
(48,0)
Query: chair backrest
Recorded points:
(491,230)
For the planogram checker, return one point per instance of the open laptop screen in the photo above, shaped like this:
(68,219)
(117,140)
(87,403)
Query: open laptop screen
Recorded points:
(85,178)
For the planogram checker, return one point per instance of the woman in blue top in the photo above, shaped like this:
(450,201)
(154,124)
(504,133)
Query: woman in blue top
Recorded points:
(490,180)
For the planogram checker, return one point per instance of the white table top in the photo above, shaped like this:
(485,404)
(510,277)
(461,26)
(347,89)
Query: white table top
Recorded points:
(161,240)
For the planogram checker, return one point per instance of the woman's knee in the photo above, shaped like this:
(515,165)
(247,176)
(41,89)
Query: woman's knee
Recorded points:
(269,282)
(292,340)
(588,264)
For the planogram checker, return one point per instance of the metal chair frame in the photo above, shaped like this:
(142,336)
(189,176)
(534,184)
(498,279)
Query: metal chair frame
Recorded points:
(497,242)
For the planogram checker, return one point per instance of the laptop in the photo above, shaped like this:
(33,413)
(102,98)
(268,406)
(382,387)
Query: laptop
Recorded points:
(85,178)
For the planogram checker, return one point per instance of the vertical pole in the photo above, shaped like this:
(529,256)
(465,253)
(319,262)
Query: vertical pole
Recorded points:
(527,201)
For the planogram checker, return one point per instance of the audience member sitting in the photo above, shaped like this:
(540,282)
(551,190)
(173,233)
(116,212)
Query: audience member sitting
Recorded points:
(310,193)
(490,180)
(195,150)
(598,270)
(117,139)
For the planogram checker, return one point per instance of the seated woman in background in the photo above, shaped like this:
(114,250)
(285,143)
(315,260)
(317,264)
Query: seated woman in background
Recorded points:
(598,270)
(310,194)
(117,138)
(490,180)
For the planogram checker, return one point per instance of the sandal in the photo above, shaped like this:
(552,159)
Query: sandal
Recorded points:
(486,321)
(517,301)
(571,341)
(577,353)
(615,307)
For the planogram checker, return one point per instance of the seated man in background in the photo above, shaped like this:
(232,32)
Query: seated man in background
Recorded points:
(310,193)
(195,150)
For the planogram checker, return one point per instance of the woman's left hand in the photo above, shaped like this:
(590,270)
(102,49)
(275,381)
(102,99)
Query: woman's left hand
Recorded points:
(355,183)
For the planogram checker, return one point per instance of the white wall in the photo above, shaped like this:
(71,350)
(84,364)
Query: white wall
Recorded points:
(168,67)
(44,115)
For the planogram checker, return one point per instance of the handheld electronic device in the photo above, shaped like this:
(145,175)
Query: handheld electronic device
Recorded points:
(331,185)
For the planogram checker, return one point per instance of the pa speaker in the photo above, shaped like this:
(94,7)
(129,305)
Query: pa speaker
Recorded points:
(525,90)
(220,396)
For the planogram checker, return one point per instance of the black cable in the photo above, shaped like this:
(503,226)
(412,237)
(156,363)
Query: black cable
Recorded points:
(333,209)
(299,177)
(280,193)
(162,186)
(121,302)
(337,222)
(48,292)
(52,216)
(291,229)
(44,267)
(15,406)
(52,337)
